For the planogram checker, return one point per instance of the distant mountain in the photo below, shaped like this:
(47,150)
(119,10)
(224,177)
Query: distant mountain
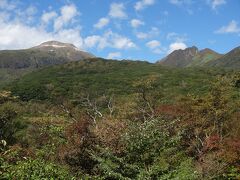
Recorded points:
(48,53)
(180,58)
(189,57)
(16,63)
(229,60)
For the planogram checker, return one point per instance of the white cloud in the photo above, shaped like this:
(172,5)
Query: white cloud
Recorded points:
(114,55)
(48,16)
(7,5)
(143,4)
(91,41)
(11,36)
(142,35)
(153,44)
(69,35)
(172,36)
(31,10)
(26,16)
(216,3)
(178,41)
(135,23)
(181,2)
(19,34)
(176,46)
(122,43)
(4,16)
(101,23)
(119,42)
(146,35)
(117,10)
(68,12)
(232,27)
(109,39)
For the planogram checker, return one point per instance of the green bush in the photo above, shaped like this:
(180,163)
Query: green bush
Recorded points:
(157,152)
(151,152)
(233,173)
(10,125)
(35,169)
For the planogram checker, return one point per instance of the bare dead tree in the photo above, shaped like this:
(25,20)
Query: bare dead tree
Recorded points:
(110,104)
(145,106)
(68,112)
(91,108)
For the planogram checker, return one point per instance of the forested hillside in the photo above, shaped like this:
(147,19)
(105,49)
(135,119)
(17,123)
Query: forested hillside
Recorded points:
(106,119)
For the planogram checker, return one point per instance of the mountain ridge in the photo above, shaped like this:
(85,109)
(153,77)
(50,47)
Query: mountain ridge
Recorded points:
(179,58)
(55,44)
(229,60)
(189,57)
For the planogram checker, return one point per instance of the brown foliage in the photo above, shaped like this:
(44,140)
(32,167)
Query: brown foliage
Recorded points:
(80,141)
(212,143)
(169,110)
(231,151)
(210,166)
(109,133)
(78,130)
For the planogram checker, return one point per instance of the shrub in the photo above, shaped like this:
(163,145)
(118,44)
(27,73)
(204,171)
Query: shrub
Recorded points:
(9,123)
(35,169)
(80,140)
(151,152)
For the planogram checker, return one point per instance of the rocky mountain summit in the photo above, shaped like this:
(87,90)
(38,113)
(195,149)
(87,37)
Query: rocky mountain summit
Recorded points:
(189,57)
(45,54)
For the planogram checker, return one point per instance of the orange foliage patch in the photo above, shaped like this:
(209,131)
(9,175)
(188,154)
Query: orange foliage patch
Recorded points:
(170,110)
(212,143)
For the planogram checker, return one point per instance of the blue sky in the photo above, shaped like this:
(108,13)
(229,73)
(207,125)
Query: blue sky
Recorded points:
(122,29)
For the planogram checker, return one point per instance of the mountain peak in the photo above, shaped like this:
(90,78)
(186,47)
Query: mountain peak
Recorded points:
(207,50)
(180,58)
(56,44)
(192,48)
(192,51)
(190,56)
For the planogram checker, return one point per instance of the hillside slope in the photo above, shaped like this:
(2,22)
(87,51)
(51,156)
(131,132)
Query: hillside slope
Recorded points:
(203,57)
(101,76)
